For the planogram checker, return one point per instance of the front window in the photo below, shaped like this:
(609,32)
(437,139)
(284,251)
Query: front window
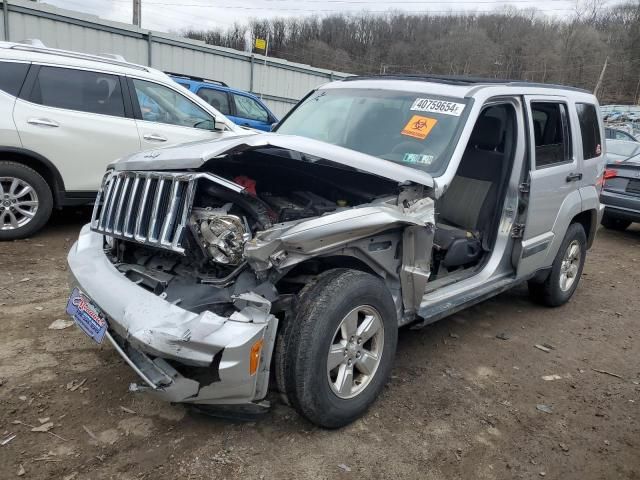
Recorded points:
(414,129)
(164,105)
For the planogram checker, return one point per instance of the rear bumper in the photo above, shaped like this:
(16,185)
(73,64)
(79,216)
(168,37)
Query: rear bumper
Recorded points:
(621,205)
(180,356)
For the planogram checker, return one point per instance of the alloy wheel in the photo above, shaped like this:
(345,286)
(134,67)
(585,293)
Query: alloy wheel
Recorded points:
(570,266)
(355,352)
(18,203)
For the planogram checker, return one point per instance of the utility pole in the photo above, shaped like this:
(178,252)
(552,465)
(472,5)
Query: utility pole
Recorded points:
(604,68)
(137,13)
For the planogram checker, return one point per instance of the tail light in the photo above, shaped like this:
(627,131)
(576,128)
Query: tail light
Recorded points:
(610,173)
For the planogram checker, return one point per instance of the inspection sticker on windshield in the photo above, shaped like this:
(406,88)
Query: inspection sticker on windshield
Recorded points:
(437,106)
(419,127)
(418,158)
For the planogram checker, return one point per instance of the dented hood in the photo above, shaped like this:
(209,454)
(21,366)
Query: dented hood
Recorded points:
(194,155)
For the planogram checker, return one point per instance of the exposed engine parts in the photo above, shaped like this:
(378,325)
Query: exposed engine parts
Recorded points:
(222,236)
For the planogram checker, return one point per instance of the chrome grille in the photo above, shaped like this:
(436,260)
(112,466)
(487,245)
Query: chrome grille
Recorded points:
(147,207)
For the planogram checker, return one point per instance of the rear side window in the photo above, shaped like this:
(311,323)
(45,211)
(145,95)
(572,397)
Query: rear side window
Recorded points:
(91,92)
(589,130)
(217,99)
(12,76)
(248,108)
(551,133)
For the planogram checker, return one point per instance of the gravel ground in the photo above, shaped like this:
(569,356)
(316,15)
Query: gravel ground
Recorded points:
(461,403)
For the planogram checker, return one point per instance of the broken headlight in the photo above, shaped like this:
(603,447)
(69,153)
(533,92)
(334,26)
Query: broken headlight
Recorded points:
(222,236)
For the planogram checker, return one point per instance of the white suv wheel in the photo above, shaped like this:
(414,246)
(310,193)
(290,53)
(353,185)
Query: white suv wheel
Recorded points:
(18,203)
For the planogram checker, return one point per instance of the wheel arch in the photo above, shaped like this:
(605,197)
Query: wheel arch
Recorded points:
(589,221)
(317,265)
(40,164)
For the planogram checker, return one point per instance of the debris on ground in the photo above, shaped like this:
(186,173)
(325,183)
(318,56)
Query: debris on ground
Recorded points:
(90,433)
(45,427)
(548,378)
(7,439)
(564,447)
(127,410)
(607,373)
(21,471)
(542,347)
(454,335)
(60,324)
(503,336)
(544,408)
(74,385)
(44,420)
(344,467)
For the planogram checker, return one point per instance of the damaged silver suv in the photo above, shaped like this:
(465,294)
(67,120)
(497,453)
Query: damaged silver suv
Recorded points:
(287,261)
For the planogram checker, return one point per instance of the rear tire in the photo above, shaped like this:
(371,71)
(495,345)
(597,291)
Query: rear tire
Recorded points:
(566,270)
(614,223)
(26,201)
(336,352)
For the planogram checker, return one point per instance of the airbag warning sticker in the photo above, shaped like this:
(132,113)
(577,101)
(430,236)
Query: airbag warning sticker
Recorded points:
(419,127)
(437,106)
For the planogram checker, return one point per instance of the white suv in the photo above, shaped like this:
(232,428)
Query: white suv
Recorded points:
(66,115)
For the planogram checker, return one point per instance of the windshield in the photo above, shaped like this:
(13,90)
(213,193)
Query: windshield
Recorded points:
(413,129)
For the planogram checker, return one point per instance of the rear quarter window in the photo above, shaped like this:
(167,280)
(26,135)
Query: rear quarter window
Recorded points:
(589,130)
(12,76)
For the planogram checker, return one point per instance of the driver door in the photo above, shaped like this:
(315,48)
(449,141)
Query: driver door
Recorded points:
(166,117)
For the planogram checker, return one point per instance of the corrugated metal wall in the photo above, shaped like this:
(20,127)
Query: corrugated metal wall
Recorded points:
(280,83)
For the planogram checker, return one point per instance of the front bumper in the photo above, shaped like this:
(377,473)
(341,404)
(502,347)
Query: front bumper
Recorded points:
(621,205)
(162,341)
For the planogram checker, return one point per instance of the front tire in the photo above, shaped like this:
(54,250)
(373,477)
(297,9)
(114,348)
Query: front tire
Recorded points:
(614,223)
(338,349)
(25,201)
(566,270)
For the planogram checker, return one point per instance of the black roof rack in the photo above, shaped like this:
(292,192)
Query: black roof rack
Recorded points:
(460,80)
(197,79)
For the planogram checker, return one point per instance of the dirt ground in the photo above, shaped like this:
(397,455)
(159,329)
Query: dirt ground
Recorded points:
(462,403)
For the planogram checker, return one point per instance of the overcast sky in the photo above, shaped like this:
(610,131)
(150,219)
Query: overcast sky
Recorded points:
(177,15)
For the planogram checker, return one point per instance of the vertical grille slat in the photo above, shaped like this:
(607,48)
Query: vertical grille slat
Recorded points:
(127,229)
(118,220)
(148,207)
(151,233)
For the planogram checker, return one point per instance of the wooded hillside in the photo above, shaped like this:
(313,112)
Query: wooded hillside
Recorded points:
(512,44)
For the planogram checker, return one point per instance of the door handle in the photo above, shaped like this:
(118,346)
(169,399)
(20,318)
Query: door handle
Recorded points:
(154,137)
(574,177)
(44,122)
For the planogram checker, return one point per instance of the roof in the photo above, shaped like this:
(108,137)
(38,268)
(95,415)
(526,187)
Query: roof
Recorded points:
(464,80)
(35,51)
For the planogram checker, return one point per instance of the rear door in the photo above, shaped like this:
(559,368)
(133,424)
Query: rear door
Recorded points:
(12,76)
(249,113)
(78,119)
(554,178)
(166,117)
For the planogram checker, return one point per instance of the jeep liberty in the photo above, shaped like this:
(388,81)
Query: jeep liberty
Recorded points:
(287,261)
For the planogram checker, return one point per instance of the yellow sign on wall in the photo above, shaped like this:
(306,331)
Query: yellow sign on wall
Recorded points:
(261,43)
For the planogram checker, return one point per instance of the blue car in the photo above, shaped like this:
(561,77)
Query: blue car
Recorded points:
(243,108)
